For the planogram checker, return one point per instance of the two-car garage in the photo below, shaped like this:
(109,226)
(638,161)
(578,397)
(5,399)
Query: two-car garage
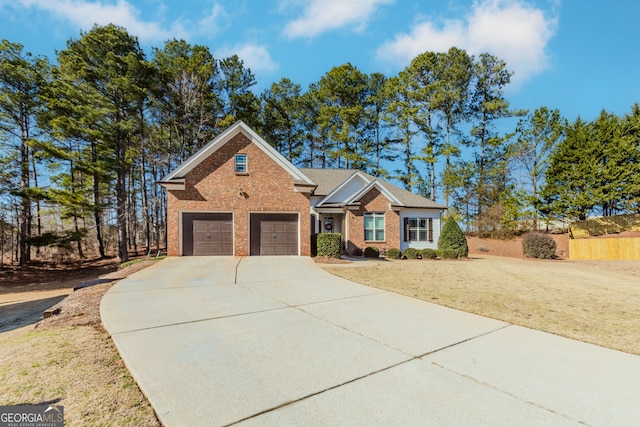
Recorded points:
(206,234)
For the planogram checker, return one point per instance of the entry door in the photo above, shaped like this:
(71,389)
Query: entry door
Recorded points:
(212,237)
(278,238)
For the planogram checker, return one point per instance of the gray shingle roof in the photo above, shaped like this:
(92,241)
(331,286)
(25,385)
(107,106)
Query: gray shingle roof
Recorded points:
(328,179)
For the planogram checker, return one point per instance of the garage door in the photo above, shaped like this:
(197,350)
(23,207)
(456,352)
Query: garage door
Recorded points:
(278,238)
(274,234)
(207,234)
(212,237)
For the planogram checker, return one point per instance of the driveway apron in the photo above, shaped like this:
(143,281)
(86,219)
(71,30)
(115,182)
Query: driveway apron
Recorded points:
(216,341)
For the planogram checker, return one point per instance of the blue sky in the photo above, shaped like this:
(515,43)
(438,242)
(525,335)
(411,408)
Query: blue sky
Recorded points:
(576,55)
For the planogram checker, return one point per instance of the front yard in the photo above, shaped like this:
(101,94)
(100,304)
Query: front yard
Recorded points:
(595,302)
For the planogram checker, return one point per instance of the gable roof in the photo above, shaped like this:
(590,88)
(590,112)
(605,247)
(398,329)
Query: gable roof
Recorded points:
(381,188)
(175,179)
(328,180)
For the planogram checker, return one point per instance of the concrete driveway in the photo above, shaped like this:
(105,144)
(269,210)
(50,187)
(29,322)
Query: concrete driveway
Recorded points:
(278,341)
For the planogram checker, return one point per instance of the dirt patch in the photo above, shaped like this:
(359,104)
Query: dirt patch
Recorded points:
(512,247)
(596,302)
(39,276)
(23,303)
(82,307)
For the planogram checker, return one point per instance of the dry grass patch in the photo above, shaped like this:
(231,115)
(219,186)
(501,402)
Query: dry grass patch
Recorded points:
(592,302)
(76,367)
(69,359)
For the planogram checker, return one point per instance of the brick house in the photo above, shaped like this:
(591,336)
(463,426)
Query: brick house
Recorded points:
(239,196)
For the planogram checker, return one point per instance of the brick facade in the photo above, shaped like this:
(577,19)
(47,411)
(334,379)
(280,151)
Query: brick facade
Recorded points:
(373,201)
(213,186)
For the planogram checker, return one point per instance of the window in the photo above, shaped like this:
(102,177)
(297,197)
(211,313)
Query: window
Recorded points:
(374,226)
(418,230)
(241,163)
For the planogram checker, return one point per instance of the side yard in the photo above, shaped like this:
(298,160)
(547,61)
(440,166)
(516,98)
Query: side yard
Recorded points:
(67,359)
(595,302)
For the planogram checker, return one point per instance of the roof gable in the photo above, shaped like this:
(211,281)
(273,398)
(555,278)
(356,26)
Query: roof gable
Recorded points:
(175,179)
(348,188)
(378,185)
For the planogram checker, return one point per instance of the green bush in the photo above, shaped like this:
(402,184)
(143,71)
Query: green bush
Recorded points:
(453,238)
(394,253)
(371,252)
(448,254)
(329,244)
(410,253)
(428,253)
(538,245)
(438,253)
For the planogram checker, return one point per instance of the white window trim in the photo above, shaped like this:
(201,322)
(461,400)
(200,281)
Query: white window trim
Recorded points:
(245,163)
(375,215)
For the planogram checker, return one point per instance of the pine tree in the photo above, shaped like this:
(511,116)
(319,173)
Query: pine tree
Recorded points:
(21,78)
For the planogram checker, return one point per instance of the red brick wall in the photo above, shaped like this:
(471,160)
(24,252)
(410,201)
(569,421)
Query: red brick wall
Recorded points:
(214,186)
(373,201)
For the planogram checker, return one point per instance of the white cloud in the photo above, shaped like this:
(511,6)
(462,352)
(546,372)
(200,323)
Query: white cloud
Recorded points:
(211,23)
(324,15)
(255,57)
(85,14)
(509,29)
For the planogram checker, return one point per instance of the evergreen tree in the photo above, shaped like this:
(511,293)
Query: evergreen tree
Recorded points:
(420,81)
(109,66)
(282,118)
(21,78)
(492,150)
(454,71)
(400,114)
(538,134)
(571,185)
(239,103)
(379,144)
(452,237)
(187,98)
(343,92)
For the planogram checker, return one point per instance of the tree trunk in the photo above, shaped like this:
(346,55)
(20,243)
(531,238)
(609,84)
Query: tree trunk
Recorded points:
(97,202)
(25,211)
(75,216)
(121,196)
(35,184)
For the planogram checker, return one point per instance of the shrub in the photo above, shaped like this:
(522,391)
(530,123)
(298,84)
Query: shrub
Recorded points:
(538,245)
(410,253)
(394,253)
(371,252)
(452,237)
(448,254)
(438,253)
(329,244)
(428,253)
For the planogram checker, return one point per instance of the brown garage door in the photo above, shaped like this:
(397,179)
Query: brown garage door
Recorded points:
(274,234)
(278,238)
(212,237)
(207,234)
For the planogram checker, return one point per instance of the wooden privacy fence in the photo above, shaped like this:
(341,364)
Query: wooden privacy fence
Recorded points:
(604,225)
(624,248)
